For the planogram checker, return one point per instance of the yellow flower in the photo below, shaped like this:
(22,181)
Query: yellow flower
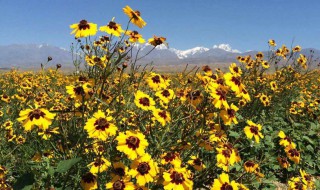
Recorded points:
(165,95)
(112,28)
(100,126)
(134,36)
(296,49)
(119,170)
(98,61)
(89,181)
(38,116)
(144,101)
(161,116)
(233,82)
(219,96)
(196,163)
(293,154)
(265,100)
(265,64)
(177,178)
(144,169)
(229,115)
(235,70)
(134,17)
(250,166)
(84,29)
(80,91)
(132,143)
(99,165)
(307,179)
(253,130)
(217,135)
(156,41)
(295,183)
(272,43)
(171,157)
(285,140)
(118,183)
(223,183)
(283,162)
(157,82)
(302,60)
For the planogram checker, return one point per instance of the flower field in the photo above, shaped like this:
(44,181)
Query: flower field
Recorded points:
(114,125)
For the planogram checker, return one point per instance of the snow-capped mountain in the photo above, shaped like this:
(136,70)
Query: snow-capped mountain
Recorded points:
(30,56)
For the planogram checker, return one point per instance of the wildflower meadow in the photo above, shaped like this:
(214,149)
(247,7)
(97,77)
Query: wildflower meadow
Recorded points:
(114,124)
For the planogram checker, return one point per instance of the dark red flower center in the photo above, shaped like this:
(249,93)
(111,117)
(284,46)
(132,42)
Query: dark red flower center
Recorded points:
(231,112)
(226,186)
(163,114)
(119,171)
(236,81)
(254,130)
(101,124)
(133,142)
(83,25)
(89,178)
(143,168)
(294,153)
(144,101)
(156,79)
(177,178)
(79,90)
(197,162)
(226,153)
(98,162)
(222,94)
(37,113)
(249,164)
(165,93)
(113,25)
(118,185)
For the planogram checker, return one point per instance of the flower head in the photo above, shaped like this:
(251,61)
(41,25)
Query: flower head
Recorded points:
(134,16)
(84,29)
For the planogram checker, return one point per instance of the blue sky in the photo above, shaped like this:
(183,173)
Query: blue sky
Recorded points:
(245,24)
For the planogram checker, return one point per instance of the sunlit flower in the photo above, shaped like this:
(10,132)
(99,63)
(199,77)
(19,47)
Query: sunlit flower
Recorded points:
(100,164)
(112,28)
(100,126)
(161,116)
(134,17)
(285,140)
(296,49)
(144,169)
(144,101)
(293,154)
(229,115)
(295,183)
(171,157)
(223,183)
(132,143)
(177,178)
(118,183)
(307,179)
(250,166)
(272,43)
(134,36)
(156,41)
(253,130)
(84,29)
(37,116)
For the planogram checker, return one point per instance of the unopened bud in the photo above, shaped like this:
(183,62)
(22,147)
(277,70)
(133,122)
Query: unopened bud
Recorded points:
(124,65)
(49,58)
(58,66)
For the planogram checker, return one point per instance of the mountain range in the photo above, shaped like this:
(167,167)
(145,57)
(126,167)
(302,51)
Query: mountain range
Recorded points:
(30,56)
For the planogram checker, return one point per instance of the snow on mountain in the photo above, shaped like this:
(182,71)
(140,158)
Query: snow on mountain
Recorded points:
(226,47)
(182,54)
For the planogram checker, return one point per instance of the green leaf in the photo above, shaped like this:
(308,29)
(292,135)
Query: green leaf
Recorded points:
(65,165)
(308,139)
(233,134)
(310,148)
(24,182)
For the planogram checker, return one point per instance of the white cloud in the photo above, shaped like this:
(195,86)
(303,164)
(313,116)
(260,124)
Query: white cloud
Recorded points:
(226,47)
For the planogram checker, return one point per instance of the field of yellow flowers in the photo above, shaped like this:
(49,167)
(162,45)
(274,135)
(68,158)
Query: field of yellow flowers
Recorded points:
(113,125)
